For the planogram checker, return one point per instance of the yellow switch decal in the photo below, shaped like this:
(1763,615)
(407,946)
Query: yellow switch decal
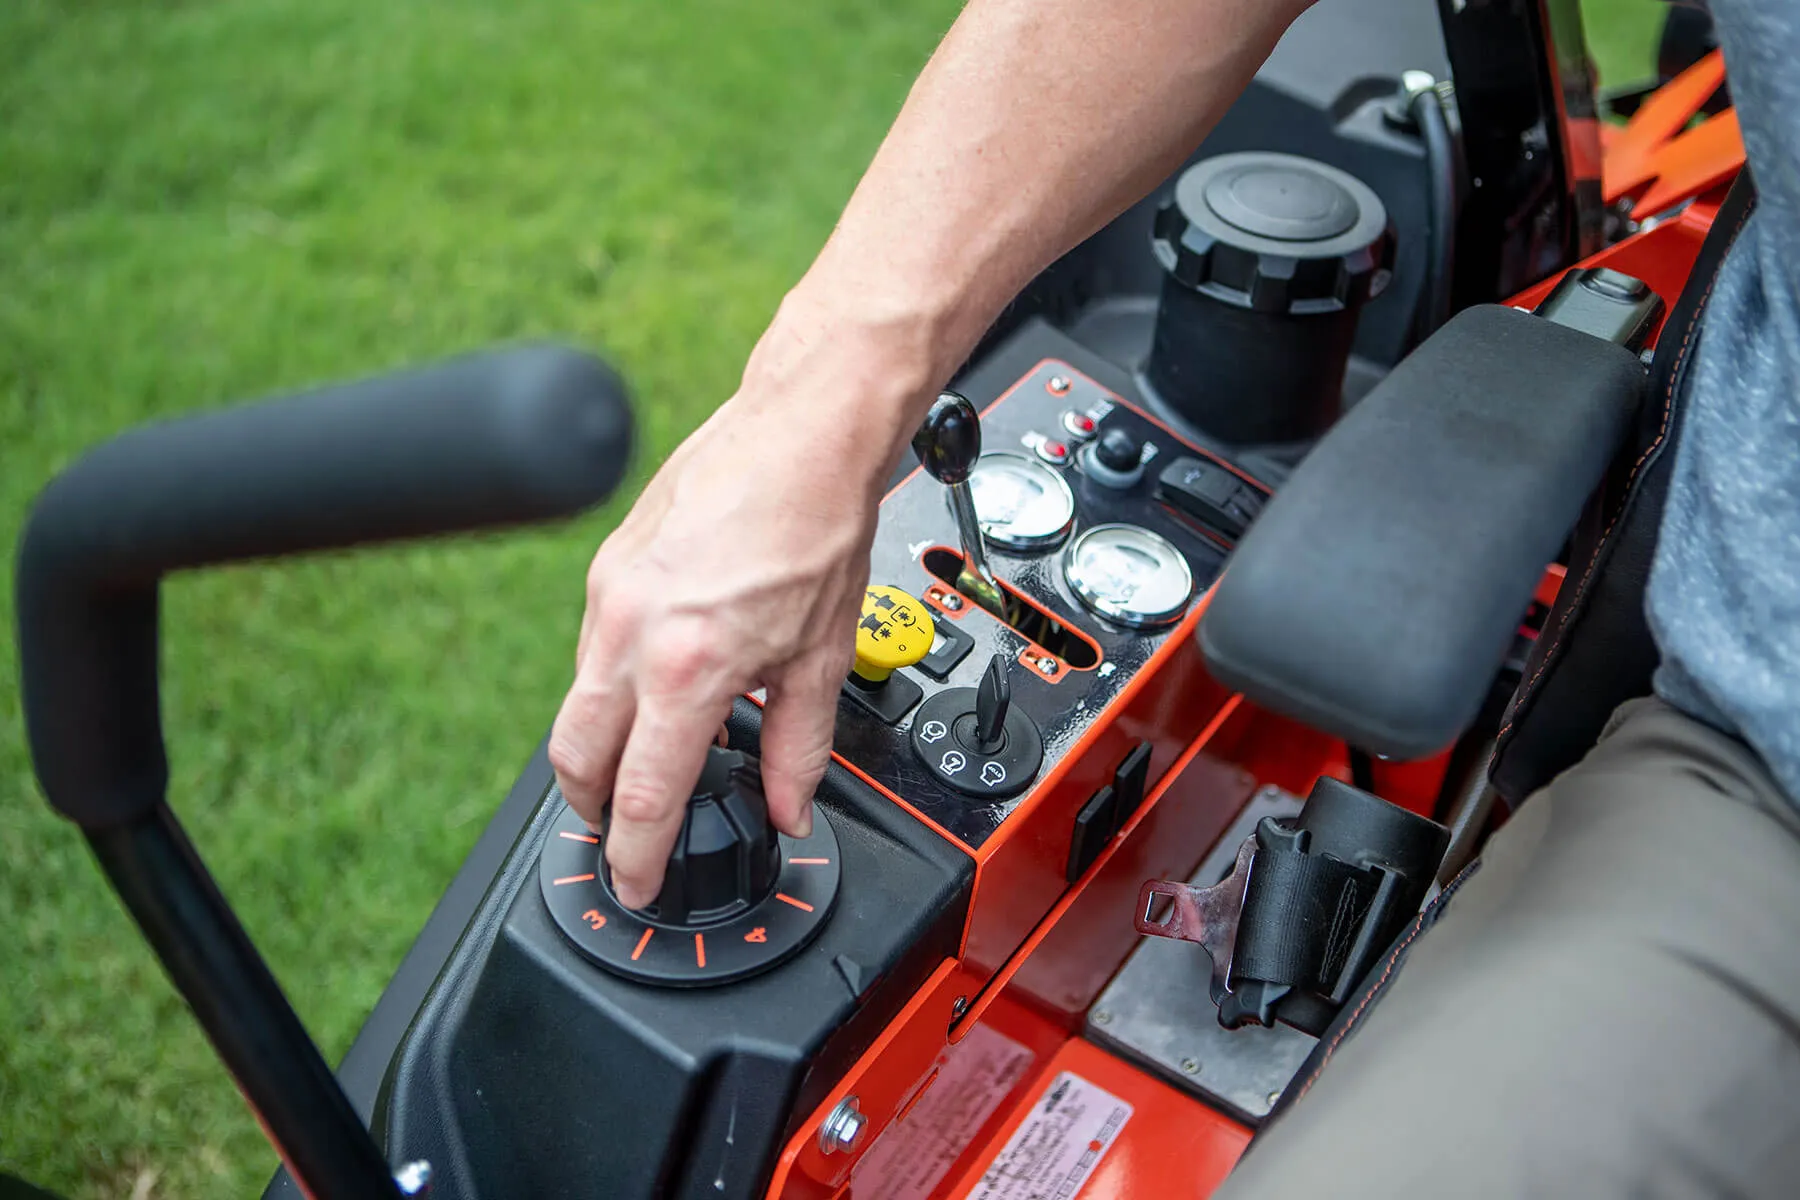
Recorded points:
(895,631)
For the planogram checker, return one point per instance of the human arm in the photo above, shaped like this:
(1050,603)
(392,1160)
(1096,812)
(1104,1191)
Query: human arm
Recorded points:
(1034,124)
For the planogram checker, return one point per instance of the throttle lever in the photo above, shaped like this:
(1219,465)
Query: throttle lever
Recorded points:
(948,443)
(1206,916)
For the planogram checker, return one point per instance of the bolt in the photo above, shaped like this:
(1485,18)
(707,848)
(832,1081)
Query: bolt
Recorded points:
(1059,384)
(959,1007)
(1102,1017)
(953,602)
(1415,83)
(1047,665)
(413,1179)
(1274,1099)
(843,1128)
(1190,1066)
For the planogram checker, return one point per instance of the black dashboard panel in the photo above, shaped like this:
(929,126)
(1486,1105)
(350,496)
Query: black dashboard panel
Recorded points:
(1018,411)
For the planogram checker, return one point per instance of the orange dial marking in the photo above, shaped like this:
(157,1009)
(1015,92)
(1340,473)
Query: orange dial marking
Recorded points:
(595,918)
(642,942)
(573,879)
(579,837)
(802,905)
(699,950)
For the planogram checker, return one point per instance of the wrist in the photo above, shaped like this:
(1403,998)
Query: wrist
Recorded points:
(854,377)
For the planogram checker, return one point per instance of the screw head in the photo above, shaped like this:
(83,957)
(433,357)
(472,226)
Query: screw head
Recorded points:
(1274,1099)
(1059,384)
(953,602)
(1190,1066)
(843,1128)
(1102,1017)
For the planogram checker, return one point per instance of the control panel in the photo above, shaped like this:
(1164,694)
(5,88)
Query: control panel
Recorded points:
(1049,549)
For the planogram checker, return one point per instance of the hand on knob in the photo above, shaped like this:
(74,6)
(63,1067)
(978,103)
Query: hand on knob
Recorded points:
(736,569)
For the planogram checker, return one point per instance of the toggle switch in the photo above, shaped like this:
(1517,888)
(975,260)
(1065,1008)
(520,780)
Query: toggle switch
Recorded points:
(894,631)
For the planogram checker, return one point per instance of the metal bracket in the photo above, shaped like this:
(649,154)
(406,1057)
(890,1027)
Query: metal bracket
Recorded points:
(1207,916)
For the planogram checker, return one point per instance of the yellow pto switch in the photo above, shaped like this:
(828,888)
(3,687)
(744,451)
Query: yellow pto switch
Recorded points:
(895,631)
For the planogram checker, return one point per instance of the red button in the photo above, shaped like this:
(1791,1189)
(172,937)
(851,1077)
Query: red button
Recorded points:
(1055,453)
(1079,425)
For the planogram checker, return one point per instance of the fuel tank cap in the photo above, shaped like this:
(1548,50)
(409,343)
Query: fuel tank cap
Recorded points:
(1282,200)
(1275,233)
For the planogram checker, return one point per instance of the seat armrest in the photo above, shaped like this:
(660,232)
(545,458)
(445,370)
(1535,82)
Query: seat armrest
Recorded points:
(1384,583)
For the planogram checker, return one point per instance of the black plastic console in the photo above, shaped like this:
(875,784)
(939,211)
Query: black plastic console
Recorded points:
(532,1072)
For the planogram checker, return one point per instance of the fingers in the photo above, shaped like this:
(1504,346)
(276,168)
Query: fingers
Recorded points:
(585,744)
(798,720)
(661,764)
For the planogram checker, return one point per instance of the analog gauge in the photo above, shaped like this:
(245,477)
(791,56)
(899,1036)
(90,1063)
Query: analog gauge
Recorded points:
(1129,575)
(1023,505)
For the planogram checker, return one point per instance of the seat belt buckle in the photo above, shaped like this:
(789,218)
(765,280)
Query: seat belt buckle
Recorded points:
(1309,906)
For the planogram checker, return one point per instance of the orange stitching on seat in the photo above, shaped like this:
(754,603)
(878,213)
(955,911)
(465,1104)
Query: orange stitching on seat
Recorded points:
(1687,336)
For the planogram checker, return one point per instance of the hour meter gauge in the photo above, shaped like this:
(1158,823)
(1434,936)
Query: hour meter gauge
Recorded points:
(1023,505)
(1129,575)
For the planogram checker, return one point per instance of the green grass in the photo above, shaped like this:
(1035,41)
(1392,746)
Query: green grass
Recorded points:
(207,201)
(202,201)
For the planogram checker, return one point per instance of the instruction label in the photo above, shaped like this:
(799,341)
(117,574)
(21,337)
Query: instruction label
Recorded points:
(914,1154)
(1063,1139)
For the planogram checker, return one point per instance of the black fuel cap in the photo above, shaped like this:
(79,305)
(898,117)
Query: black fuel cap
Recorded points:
(1275,233)
(1282,200)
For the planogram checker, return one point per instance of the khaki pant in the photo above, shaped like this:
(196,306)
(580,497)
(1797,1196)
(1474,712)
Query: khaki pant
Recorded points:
(1607,1004)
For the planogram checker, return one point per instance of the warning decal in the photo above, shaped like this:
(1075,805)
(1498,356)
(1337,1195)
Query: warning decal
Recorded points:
(915,1153)
(1063,1139)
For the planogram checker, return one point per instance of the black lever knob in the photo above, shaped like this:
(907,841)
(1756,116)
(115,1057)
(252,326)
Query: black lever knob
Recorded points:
(992,699)
(1118,451)
(949,440)
(727,856)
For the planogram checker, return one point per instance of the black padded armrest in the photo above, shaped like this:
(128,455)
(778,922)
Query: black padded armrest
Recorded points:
(1382,586)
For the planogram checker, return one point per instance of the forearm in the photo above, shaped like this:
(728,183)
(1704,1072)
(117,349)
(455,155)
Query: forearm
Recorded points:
(1035,123)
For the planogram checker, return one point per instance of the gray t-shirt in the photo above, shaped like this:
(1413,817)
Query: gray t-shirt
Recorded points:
(1724,591)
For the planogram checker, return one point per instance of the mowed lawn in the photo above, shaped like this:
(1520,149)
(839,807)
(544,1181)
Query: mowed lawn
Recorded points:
(205,201)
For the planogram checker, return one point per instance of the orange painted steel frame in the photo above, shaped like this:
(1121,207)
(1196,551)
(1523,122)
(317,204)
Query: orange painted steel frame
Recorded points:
(1037,950)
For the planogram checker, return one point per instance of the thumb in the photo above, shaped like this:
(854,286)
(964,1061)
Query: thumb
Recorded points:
(798,720)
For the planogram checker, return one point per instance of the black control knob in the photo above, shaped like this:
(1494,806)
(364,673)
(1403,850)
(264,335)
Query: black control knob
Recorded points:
(949,440)
(1118,451)
(727,856)
(738,897)
(1115,461)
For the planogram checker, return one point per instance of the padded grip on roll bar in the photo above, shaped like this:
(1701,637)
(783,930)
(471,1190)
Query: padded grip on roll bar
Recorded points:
(491,439)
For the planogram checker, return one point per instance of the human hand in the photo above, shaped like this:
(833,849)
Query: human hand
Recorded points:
(742,565)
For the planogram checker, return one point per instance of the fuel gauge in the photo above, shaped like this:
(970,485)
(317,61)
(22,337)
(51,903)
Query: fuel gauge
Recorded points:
(1024,506)
(1129,575)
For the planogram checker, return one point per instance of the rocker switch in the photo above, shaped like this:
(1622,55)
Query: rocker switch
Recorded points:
(1211,495)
